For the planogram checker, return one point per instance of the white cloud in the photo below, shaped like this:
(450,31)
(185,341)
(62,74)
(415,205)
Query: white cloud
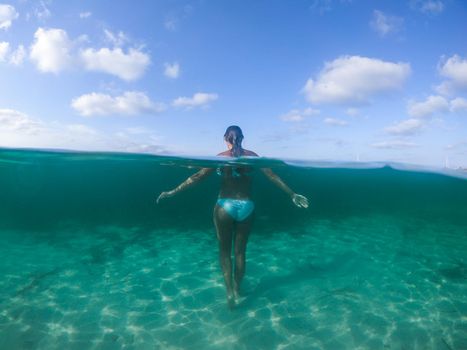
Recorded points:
(445,88)
(458,104)
(7,15)
(355,79)
(322,6)
(172,70)
(81,129)
(455,70)
(457,146)
(4,49)
(431,106)
(84,15)
(405,127)
(42,12)
(296,115)
(335,122)
(173,20)
(394,144)
(429,7)
(127,66)
(130,103)
(385,24)
(146,142)
(432,7)
(117,40)
(19,130)
(171,24)
(51,50)
(353,112)
(17,57)
(199,99)
(14,121)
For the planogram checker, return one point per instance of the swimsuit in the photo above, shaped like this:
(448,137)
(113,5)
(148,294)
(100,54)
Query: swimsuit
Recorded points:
(234,172)
(238,209)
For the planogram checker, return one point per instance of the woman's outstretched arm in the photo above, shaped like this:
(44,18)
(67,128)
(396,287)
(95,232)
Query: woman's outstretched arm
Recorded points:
(299,200)
(190,182)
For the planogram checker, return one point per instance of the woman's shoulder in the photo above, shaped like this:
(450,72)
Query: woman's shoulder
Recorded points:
(245,152)
(225,153)
(249,153)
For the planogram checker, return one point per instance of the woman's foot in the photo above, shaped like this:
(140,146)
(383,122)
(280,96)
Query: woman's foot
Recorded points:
(231,301)
(236,290)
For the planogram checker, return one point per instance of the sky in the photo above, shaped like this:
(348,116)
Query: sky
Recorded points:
(345,80)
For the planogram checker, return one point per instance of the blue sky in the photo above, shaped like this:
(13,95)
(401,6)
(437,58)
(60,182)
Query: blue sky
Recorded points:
(309,79)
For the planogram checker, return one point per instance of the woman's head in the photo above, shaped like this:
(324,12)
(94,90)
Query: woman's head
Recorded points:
(234,136)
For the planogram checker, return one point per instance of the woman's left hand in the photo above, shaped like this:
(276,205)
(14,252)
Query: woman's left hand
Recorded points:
(164,195)
(300,201)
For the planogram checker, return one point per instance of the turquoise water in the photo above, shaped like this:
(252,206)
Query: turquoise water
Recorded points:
(89,261)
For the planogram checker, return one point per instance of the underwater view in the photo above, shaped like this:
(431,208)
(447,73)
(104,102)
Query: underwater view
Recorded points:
(89,260)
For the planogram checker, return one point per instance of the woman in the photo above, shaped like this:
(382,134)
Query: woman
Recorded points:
(233,212)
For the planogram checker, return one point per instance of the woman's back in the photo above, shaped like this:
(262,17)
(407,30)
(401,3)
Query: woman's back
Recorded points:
(236,180)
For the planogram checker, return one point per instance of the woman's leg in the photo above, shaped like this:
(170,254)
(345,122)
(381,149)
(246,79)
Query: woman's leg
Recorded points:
(224,226)
(242,233)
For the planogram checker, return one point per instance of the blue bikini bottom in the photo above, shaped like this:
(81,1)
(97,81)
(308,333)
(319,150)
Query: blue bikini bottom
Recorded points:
(238,209)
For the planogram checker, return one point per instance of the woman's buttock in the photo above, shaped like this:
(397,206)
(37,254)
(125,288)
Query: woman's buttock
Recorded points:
(238,209)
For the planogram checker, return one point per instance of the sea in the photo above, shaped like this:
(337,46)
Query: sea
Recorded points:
(88,260)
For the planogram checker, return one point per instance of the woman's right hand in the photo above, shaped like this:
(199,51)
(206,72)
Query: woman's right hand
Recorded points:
(300,201)
(164,195)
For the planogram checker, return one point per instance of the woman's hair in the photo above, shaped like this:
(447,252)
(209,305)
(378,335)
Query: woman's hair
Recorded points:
(234,136)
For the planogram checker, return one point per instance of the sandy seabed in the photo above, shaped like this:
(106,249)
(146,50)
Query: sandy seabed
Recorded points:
(361,283)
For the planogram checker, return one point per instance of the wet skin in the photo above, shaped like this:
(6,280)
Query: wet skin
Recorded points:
(228,230)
